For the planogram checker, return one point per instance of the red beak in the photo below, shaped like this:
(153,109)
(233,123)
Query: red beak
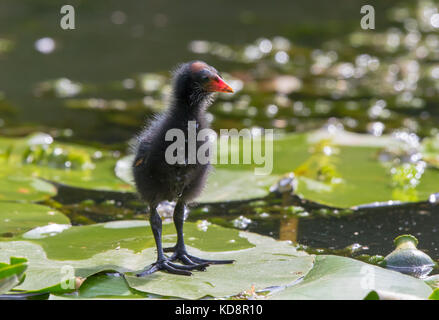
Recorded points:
(218,85)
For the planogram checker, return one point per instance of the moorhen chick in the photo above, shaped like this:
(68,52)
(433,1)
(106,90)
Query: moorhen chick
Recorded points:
(157,180)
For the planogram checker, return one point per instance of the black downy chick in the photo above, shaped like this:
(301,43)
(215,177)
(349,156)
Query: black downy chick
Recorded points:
(156,180)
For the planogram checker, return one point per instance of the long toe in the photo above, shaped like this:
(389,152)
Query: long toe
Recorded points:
(193,266)
(165,266)
(175,269)
(151,269)
(185,259)
(199,260)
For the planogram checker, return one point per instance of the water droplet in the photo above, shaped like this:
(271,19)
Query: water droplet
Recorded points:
(45,45)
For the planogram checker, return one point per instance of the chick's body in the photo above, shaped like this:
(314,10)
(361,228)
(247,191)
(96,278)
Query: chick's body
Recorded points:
(159,178)
(155,178)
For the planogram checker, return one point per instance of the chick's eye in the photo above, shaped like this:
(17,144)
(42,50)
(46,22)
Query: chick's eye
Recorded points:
(204,78)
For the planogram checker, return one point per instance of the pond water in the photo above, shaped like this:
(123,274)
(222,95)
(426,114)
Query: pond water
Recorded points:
(118,50)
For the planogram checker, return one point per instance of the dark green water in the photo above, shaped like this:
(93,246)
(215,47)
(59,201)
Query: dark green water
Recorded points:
(153,38)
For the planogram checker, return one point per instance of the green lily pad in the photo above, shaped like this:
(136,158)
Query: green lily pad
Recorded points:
(269,263)
(18,187)
(430,150)
(108,286)
(230,185)
(38,156)
(46,275)
(223,184)
(350,174)
(385,295)
(79,243)
(12,274)
(340,278)
(340,169)
(260,261)
(17,218)
(434,295)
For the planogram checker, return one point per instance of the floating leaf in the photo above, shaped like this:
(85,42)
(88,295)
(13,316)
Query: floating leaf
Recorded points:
(107,285)
(269,263)
(17,218)
(19,187)
(260,261)
(12,274)
(340,278)
(363,177)
(74,165)
(340,169)
(434,295)
(79,243)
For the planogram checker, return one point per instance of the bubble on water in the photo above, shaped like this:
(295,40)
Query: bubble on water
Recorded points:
(66,88)
(377,110)
(166,209)
(271,110)
(362,60)
(40,139)
(433,198)
(346,70)
(236,84)
(410,139)
(203,225)
(281,43)
(265,46)
(57,151)
(334,126)
(376,128)
(252,53)
(45,45)
(434,20)
(327,150)
(281,57)
(286,84)
(286,184)
(199,46)
(241,222)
